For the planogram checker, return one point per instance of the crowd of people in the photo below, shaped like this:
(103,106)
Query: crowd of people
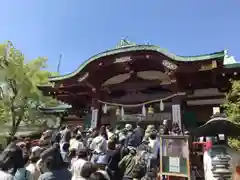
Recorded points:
(77,154)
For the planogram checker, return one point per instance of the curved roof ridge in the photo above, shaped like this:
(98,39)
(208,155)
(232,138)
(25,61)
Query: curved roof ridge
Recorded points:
(128,47)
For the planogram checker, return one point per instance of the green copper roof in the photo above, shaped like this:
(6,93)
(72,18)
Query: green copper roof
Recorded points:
(126,46)
(58,109)
(234,65)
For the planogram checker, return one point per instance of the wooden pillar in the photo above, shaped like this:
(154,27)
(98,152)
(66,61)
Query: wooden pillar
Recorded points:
(99,116)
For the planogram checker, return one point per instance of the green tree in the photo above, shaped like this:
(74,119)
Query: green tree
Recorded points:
(20,95)
(232,109)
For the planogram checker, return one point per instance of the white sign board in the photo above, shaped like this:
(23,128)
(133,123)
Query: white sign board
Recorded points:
(176,114)
(94,118)
(174,164)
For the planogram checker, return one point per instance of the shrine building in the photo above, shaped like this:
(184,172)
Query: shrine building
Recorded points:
(144,83)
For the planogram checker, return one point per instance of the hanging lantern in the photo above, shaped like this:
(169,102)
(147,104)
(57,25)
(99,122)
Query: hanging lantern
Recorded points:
(105,109)
(150,110)
(144,110)
(161,105)
(122,111)
(118,111)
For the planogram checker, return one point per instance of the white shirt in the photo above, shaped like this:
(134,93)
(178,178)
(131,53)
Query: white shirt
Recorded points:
(154,146)
(77,168)
(5,176)
(32,168)
(109,134)
(98,142)
(75,144)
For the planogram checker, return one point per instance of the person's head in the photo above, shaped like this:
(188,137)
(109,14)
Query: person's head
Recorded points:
(153,135)
(82,153)
(94,134)
(111,144)
(138,125)
(52,158)
(75,131)
(109,128)
(72,153)
(132,151)
(87,169)
(152,174)
(78,137)
(98,176)
(11,158)
(62,128)
(138,172)
(65,147)
(13,139)
(145,141)
(22,145)
(56,138)
(118,127)
(26,158)
(102,130)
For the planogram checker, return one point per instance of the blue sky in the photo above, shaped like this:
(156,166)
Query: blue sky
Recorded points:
(81,28)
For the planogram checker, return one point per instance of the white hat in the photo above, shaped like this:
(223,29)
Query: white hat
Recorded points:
(36,151)
(128,127)
(21,144)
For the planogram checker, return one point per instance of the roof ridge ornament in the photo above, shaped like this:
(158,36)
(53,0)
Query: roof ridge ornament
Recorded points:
(125,43)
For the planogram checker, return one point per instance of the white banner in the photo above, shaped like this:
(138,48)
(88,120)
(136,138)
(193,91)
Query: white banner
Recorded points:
(94,118)
(176,114)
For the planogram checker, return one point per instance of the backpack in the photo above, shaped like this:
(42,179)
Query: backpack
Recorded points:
(140,165)
(26,175)
(97,156)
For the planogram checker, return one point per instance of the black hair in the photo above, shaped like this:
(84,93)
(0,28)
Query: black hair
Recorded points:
(65,147)
(72,153)
(153,135)
(138,171)
(11,158)
(25,158)
(53,158)
(82,154)
(97,176)
(75,131)
(118,127)
(87,169)
(33,159)
(78,137)
(111,145)
(110,128)
(62,128)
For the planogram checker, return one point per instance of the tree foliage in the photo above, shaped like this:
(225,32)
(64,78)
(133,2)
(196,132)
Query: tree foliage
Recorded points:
(232,108)
(19,93)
